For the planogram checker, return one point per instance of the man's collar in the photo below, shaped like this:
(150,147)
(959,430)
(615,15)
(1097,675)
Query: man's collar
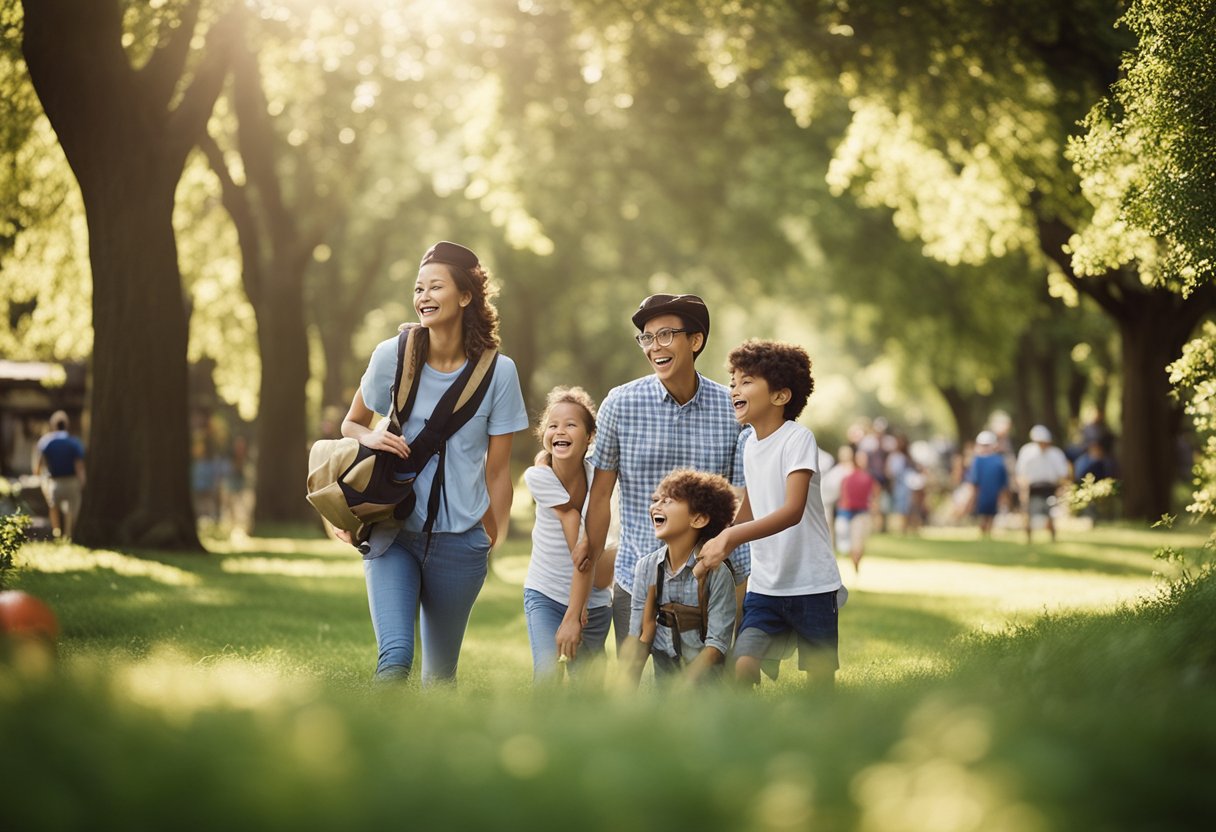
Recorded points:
(666,394)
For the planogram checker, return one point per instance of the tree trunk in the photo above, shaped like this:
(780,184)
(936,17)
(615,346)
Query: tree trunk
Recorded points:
(126,147)
(1049,394)
(1154,322)
(962,408)
(1023,405)
(1078,384)
(282,464)
(1151,338)
(139,455)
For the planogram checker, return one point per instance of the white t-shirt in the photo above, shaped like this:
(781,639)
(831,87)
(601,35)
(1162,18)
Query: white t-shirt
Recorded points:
(551,570)
(799,560)
(1041,466)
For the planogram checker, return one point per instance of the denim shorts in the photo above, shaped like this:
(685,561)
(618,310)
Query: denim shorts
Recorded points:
(768,619)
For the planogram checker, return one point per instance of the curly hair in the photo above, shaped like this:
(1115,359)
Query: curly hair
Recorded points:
(567,395)
(781,365)
(708,494)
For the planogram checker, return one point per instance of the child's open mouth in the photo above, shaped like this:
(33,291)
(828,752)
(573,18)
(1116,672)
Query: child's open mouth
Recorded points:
(427,310)
(659,520)
(662,362)
(561,443)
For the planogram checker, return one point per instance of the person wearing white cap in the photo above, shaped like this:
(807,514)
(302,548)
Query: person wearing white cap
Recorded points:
(1041,469)
(989,480)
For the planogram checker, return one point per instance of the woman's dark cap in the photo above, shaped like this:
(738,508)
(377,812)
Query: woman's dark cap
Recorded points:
(689,307)
(450,254)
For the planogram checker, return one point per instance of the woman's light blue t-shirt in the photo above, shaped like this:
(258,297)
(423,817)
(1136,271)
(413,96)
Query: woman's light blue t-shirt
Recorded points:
(465,498)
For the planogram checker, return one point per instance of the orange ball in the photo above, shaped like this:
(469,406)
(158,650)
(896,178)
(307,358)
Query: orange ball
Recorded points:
(23,615)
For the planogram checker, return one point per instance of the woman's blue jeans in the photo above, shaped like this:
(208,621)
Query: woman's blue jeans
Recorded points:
(442,580)
(544,616)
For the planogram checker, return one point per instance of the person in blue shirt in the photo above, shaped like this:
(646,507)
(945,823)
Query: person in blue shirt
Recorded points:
(59,460)
(435,576)
(989,479)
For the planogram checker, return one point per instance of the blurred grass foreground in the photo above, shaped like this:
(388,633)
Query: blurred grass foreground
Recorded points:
(232,692)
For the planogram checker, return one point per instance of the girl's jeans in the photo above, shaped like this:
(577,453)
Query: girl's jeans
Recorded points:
(544,616)
(443,579)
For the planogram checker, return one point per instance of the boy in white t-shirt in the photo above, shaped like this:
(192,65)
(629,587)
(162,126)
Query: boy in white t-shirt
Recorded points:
(794,584)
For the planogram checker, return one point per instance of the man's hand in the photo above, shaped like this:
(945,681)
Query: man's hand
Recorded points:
(581,555)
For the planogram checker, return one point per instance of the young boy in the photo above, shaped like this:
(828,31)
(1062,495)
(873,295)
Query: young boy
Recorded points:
(794,580)
(684,622)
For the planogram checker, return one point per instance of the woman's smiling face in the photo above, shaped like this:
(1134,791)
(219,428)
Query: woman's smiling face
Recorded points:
(437,300)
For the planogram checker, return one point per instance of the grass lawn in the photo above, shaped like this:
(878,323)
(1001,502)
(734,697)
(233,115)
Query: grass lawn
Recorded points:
(984,685)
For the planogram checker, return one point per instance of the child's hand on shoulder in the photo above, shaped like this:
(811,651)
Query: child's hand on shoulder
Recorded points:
(541,459)
(712,554)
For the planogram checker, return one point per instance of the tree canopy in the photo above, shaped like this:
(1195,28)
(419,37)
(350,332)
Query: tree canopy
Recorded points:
(987,196)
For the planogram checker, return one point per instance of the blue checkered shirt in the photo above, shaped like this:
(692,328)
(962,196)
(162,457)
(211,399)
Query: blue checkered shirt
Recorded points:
(644,435)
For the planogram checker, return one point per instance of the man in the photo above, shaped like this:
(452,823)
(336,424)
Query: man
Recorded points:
(59,459)
(674,418)
(1041,469)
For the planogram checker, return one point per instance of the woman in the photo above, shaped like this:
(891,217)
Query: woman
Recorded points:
(441,572)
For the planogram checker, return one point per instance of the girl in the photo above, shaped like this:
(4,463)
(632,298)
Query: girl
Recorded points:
(568,618)
(441,572)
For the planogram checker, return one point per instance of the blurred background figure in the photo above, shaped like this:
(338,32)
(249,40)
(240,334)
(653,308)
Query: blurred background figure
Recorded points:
(859,495)
(829,487)
(1041,469)
(1096,461)
(988,479)
(59,460)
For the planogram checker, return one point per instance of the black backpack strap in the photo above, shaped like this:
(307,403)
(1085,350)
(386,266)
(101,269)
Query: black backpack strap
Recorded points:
(663,620)
(463,395)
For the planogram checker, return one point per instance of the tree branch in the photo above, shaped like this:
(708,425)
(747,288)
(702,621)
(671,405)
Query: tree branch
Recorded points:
(236,202)
(256,140)
(160,75)
(73,51)
(1054,235)
(189,120)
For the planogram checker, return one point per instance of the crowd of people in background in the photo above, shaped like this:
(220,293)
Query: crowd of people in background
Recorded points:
(882,482)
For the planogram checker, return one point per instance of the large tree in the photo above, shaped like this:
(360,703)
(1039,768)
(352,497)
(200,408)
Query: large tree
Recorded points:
(961,116)
(275,251)
(126,131)
(1148,163)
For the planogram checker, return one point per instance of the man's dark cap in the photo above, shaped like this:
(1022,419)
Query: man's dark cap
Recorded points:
(450,254)
(689,307)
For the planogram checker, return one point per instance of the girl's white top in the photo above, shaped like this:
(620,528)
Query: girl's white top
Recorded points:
(551,569)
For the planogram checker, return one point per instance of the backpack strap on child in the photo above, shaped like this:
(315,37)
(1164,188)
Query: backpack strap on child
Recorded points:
(682,617)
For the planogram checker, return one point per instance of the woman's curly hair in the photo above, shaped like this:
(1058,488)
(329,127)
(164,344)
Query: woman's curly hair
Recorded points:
(708,494)
(781,365)
(567,395)
(480,317)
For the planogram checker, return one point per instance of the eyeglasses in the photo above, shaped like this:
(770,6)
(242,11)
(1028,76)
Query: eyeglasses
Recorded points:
(664,337)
